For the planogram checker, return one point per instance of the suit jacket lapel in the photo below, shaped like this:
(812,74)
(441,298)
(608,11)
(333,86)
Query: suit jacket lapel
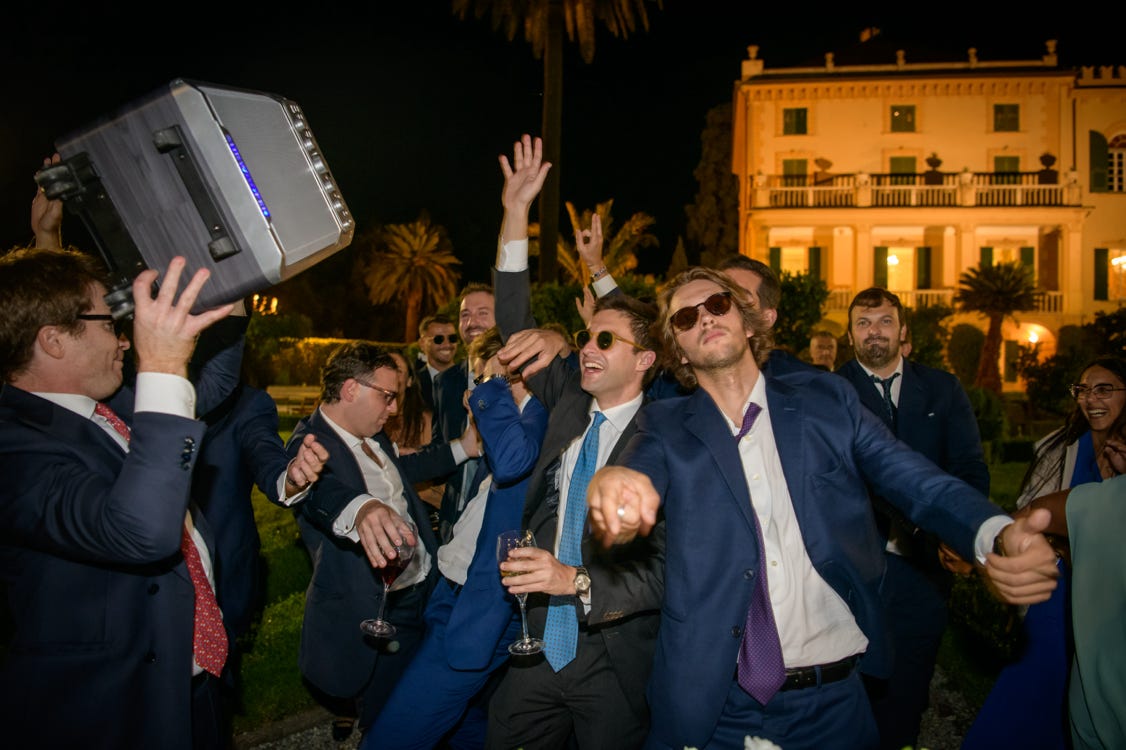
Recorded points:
(706,423)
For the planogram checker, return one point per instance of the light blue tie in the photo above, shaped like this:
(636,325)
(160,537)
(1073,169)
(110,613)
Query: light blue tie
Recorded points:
(561,635)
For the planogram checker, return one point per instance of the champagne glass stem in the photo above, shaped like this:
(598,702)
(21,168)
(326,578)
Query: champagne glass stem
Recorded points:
(523,615)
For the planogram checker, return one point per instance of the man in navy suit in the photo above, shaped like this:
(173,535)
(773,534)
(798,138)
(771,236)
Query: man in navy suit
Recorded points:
(94,511)
(475,316)
(363,506)
(928,409)
(437,345)
(770,534)
(470,619)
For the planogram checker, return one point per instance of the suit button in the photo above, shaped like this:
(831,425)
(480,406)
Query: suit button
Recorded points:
(153,588)
(749,574)
(150,657)
(736,632)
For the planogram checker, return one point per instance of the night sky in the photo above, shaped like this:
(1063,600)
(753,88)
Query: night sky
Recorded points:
(411,105)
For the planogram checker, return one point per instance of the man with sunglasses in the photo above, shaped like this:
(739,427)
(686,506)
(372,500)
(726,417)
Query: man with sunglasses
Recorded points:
(437,346)
(597,612)
(363,506)
(772,600)
(102,558)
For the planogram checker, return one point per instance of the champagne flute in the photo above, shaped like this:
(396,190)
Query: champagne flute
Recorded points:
(506,541)
(379,627)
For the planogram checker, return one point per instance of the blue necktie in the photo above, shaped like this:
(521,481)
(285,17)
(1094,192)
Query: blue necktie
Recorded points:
(561,635)
(761,668)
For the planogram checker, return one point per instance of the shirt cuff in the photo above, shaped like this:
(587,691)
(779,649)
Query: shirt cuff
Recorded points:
(460,456)
(297,497)
(164,393)
(345,523)
(603,285)
(983,542)
(512,255)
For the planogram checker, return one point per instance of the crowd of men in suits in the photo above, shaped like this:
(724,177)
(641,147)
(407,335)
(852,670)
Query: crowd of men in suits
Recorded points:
(729,542)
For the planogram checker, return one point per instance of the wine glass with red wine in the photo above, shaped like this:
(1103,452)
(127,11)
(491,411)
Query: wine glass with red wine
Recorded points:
(506,541)
(379,627)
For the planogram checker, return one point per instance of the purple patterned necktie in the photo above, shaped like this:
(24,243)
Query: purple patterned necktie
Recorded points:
(761,669)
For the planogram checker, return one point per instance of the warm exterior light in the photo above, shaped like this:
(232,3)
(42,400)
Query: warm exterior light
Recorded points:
(893,260)
(1032,337)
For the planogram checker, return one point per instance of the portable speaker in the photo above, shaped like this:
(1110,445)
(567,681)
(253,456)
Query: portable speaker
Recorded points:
(231,179)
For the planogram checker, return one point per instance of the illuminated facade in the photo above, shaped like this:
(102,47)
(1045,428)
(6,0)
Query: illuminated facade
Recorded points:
(905,174)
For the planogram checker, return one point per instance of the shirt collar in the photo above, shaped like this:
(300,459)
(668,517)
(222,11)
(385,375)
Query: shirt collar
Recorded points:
(619,416)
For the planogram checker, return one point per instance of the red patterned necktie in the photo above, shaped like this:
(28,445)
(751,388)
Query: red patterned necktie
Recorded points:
(209,639)
(115,421)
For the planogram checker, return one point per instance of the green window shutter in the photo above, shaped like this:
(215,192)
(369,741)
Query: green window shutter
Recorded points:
(923,267)
(794,121)
(986,257)
(1100,163)
(880,272)
(1006,117)
(1028,258)
(1012,356)
(903,118)
(815,262)
(1102,273)
(776,259)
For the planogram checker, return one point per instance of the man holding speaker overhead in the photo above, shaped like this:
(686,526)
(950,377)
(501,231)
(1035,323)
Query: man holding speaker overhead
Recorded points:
(117,638)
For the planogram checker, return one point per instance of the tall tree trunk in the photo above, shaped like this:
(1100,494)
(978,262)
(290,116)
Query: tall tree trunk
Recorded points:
(988,373)
(413,311)
(552,140)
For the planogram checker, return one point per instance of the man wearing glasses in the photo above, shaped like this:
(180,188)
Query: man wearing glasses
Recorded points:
(597,613)
(772,603)
(363,506)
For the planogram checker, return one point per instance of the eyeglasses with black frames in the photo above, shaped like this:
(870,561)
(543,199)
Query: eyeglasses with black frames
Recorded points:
(603,339)
(388,396)
(685,318)
(1101,391)
(116,326)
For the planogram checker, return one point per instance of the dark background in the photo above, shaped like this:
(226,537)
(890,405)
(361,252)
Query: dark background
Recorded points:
(411,105)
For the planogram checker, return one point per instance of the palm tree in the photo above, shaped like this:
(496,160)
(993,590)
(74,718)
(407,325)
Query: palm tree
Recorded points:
(620,250)
(543,23)
(996,291)
(413,263)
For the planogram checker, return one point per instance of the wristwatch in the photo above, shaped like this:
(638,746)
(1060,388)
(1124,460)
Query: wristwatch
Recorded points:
(582,581)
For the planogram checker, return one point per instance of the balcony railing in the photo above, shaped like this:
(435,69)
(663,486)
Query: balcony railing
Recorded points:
(927,189)
(841,296)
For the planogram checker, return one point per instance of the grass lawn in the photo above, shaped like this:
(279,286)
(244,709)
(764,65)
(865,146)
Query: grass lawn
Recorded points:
(271,683)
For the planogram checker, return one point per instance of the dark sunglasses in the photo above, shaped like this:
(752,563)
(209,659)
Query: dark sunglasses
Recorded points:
(603,339)
(686,317)
(116,325)
(441,338)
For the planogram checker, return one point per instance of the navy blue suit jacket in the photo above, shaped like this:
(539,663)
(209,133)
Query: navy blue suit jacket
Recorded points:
(934,416)
(345,589)
(241,449)
(450,420)
(100,598)
(512,444)
(830,448)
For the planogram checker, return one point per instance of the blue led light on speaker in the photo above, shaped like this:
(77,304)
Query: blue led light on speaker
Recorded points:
(246,175)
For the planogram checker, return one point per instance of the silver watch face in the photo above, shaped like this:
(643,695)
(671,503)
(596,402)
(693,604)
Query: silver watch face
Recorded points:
(582,583)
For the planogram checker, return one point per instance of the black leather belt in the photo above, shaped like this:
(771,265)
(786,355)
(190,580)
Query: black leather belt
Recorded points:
(805,677)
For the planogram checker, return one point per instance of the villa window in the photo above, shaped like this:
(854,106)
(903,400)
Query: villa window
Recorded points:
(1110,274)
(794,121)
(1006,118)
(903,118)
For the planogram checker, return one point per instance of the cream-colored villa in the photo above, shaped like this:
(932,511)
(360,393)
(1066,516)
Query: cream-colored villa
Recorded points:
(904,173)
